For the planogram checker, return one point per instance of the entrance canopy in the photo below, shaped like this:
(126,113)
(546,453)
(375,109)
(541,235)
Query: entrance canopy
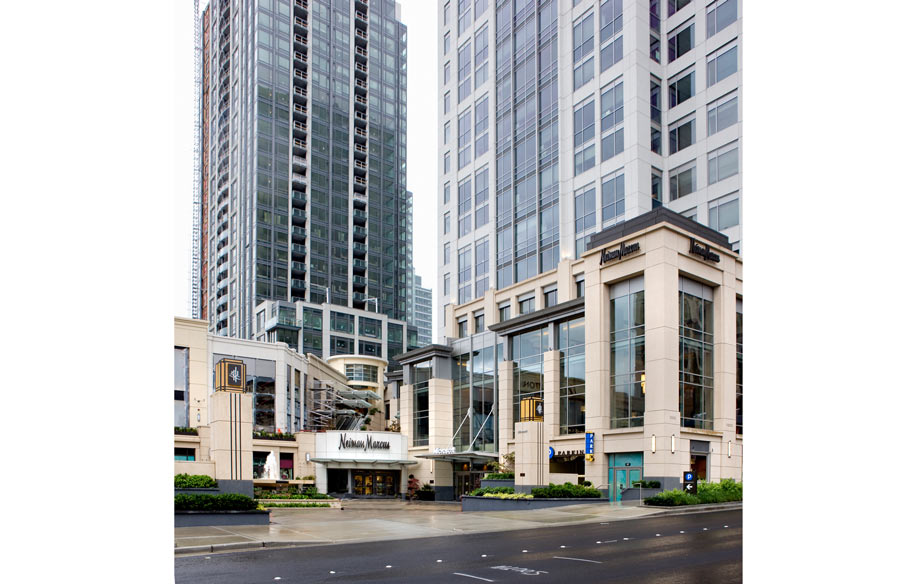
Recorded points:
(467,456)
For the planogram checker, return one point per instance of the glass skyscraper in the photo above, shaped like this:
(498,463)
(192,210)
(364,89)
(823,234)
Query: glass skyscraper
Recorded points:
(303,161)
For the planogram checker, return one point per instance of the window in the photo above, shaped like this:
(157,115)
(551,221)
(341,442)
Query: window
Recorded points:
(184,454)
(446,282)
(446,102)
(585,216)
(464,274)
(580,286)
(464,15)
(611,14)
(572,375)
(675,5)
(723,213)
(446,44)
(696,355)
(583,44)
(446,223)
(462,328)
(739,370)
(612,197)
(655,100)
(479,7)
(464,207)
(720,14)
(482,197)
(723,163)
(505,312)
(628,353)
(445,10)
(721,64)
(446,253)
(464,71)
(446,162)
(682,135)
(682,181)
(370,327)
(528,375)
(420,376)
(654,15)
(584,132)
(342,323)
(482,267)
(550,297)
(360,372)
(481,49)
(655,48)
(526,305)
(479,325)
(446,133)
(655,139)
(464,139)
(680,89)
(612,121)
(446,195)
(481,122)
(446,73)
(680,41)
(722,113)
(656,184)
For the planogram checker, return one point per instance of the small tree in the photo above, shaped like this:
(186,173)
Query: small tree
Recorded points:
(508,464)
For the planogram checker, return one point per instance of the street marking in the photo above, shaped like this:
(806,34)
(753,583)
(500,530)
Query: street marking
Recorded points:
(332,572)
(724,526)
(278,578)
(576,559)
(682,532)
(563,547)
(525,571)
(705,529)
(658,535)
(483,555)
(387,566)
(438,561)
(608,541)
(524,551)
(475,577)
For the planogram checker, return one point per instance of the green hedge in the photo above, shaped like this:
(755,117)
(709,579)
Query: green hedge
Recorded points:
(186,481)
(647,484)
(499,476)
(291,493)
(565,491)
(491,490)
(295,504)
(507,496)
(224,502)
(727,490)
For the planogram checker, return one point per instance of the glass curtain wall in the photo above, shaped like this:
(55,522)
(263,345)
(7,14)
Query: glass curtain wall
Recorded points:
(420,379)
(572,376)
(260,381)
(628,354)
(474,393)
(696,355)
(528,356)
(181,386)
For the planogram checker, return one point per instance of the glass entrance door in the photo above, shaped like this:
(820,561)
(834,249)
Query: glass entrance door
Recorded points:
(621,479)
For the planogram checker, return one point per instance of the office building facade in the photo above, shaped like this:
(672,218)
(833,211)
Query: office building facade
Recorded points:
(559,118)
(303,160)
(422,312)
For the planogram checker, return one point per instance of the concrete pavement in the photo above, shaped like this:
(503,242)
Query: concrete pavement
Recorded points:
(380,520)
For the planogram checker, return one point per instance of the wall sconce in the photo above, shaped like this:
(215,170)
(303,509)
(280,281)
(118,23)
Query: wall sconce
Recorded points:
(653,443)
(729,448)
(673,444)
(198,416)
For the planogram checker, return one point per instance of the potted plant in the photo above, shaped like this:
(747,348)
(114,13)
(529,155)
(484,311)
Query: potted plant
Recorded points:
(426,493)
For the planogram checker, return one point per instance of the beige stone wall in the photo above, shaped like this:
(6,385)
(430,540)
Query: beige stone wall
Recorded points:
(192,334)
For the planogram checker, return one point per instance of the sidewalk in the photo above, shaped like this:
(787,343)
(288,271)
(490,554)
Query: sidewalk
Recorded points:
(375,520)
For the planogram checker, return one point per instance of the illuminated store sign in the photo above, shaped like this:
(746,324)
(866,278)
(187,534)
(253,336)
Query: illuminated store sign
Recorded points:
(362,443)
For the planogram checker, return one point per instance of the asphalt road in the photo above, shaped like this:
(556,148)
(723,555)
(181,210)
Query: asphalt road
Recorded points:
(694,548)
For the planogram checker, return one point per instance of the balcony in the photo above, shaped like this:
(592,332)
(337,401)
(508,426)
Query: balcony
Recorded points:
(359,281)
(359,249)
(360,134)
(359,216)
(300,164)
(300,59)
(362,85)
(359,184)
(297,284)
(361,102)
(361,19)
(299,234)
(360,150)
(361,70)
(300,199)
(298,267)
(359,265)
(362,55)
(300,42)
(300,129)
(362,5)
(300,95)
(300,78)
(300,147)
(299,217)
(360,167)
(362,37)
(299,181)
(300,112)
(298,250)
(282,321)
(359,233)
(301,25)
(301,7)
(359,201)
(359,119)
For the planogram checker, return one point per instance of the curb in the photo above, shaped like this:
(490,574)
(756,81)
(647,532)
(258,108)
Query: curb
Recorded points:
(244,545)
(689,509)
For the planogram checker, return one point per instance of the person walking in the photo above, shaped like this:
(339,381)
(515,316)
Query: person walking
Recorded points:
(412,485)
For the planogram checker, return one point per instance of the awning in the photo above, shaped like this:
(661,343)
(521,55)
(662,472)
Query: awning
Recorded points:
(356,403)
(355,461)
(468,456)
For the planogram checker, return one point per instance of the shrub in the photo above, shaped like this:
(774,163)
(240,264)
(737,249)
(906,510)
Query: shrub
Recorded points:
(295,504)
(508,496)
(491,490)
(723,492)
(426,487)
(186,430)
(647,484)
(565,491)
(186,481)
(224,502)
(499,476)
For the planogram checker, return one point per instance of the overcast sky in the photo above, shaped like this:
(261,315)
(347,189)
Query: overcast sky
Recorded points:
(420,18)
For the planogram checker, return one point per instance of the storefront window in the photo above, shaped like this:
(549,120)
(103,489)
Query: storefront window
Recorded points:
(420,378)
(572,376)
(528,354)
(628,354)
(739,370)
(260,381)
(696,355)
(184,453)
(286,465)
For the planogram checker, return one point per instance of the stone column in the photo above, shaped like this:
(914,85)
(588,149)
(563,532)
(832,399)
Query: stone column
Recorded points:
(531,468)
(231,443)
(506,381)
(551,394)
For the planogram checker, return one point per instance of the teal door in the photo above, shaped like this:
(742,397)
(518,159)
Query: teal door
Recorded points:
(624,469)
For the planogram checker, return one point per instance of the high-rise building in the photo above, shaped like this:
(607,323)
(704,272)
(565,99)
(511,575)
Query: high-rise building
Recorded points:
(303,143)
(421,315)
(561,118)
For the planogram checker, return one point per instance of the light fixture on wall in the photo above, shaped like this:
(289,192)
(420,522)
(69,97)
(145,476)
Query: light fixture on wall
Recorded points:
(198,415)
(729,448)
(653,443)
(673,444)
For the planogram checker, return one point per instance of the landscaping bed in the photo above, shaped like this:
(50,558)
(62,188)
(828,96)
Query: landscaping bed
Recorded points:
(226,509)
(505,498)
(726,491)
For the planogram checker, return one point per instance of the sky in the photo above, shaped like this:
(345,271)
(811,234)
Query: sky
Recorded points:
(420,18)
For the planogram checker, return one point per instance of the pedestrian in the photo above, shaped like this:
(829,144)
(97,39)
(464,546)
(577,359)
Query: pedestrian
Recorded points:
(412,486)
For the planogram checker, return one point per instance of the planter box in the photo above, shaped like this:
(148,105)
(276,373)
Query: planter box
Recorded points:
(426,495)
(497,483)
(224,486)
(469,503)
(334,503)
(217,518)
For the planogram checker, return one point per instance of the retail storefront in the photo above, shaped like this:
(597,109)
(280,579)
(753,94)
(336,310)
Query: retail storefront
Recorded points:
(361,464)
